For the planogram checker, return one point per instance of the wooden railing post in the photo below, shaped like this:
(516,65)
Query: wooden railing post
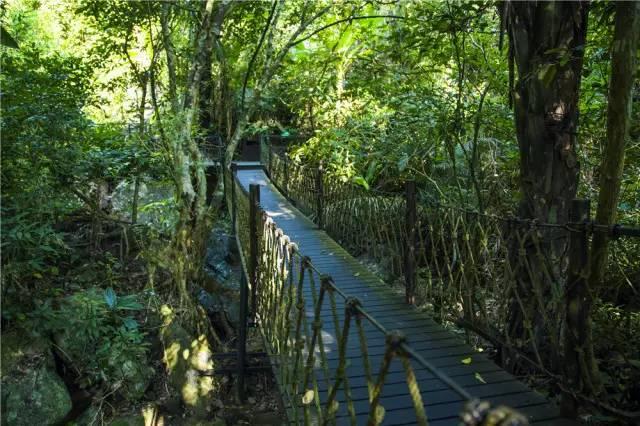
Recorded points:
(270,148)
(254,209)
(285,185)
(234,203)
(577,336)
(410,257)
(320,195)
(242,336)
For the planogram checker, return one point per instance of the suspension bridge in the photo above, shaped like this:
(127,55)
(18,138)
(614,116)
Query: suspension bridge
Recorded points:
(344,346)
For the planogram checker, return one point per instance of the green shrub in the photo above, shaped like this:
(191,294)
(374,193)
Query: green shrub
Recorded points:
(96,333)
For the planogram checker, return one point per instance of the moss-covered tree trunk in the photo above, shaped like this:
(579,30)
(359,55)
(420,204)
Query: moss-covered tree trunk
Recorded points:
(188,245)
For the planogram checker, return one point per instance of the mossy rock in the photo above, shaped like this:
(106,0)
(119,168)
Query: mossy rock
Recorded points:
(39,397)
(185,358)
(136,375)
(32,392)
(19,352)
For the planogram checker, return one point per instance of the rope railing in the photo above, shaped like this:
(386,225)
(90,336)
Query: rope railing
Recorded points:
(308,323)
(478,270)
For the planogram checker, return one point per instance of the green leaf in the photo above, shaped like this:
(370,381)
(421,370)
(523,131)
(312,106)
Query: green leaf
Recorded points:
(130,323)
(466,361)
(361,181)
(129,303)
(307,398)
(546,74)
(110,298)
(403,162)
(479,378)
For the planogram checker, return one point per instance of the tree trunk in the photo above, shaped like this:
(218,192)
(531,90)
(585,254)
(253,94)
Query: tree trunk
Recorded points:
(171,56)
(141,109)
(547,42)
(623,67)
(188,244)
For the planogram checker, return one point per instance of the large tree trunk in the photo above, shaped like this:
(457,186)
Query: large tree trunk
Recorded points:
(547,42)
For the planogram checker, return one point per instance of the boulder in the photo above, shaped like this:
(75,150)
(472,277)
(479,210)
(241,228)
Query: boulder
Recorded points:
(186,358)
(18,349)
(32,391)
(220,255)
(136,376)
(36,396)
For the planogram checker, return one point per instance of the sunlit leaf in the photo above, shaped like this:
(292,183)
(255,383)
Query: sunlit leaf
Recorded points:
(307,398)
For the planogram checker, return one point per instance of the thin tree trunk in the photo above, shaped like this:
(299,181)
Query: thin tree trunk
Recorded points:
(136,186)
(171,56)
(474,161)
(623,67)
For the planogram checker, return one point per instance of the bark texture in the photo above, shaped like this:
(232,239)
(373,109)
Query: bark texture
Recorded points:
(547,45)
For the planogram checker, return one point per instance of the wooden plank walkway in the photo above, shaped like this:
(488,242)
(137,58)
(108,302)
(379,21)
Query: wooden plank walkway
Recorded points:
(441,347)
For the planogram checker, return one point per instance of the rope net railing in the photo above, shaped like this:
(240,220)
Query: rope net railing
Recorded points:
(504,279)
(309,325)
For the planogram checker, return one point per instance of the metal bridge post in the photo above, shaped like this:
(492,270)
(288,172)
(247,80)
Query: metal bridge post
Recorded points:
(234,204)
(410,257)
(254,211)
(578,303)
(320,196)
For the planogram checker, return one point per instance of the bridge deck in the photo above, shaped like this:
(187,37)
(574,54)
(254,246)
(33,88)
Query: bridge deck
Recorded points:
(482,378)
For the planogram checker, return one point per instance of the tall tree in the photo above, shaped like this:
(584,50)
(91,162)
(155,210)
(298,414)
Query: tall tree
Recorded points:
(624,53)
(547,45)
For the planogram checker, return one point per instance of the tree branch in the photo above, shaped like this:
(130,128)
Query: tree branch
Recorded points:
(255,53)
(340,21)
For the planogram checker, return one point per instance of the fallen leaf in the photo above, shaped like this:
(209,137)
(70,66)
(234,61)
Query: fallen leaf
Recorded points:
(479,378)
(357,274)
(466,361)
